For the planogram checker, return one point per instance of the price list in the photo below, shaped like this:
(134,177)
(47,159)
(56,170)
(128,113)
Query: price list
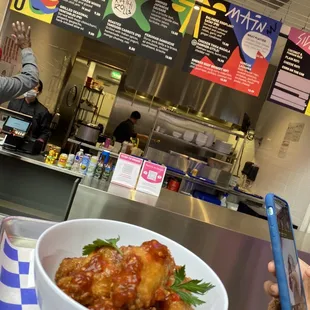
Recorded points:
(150,28)
(82,16)
(291,86)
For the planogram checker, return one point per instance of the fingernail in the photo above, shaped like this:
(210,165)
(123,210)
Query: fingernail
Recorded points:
(273,288)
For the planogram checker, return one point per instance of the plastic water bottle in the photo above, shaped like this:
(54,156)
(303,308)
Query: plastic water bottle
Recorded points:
(104,159)
(77,160)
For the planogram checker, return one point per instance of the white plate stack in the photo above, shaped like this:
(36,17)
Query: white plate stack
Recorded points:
(222,147)
(201,139)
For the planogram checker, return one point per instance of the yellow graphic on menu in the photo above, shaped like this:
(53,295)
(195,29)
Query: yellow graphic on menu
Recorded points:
(308,109)
(39,9)
(185,9)
(206,7)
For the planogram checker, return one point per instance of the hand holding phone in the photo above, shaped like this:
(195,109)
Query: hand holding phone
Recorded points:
(288,273)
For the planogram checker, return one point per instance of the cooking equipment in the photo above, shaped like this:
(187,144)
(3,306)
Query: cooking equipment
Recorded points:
(177,161)
(88,133)
(219,164)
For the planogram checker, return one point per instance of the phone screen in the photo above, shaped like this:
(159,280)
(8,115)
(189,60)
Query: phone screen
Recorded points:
(290,256)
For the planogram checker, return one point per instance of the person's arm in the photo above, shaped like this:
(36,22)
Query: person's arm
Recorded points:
(142,137)
(45,125)
(12,87)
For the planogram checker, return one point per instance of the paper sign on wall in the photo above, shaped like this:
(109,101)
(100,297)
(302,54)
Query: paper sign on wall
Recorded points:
(232,46)
(151,178)
(127,171)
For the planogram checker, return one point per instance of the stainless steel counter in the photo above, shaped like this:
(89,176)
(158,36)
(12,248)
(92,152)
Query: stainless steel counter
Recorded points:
(235,245)
(29,187)
(37,160)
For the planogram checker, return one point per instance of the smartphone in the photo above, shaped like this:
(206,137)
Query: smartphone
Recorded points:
(289,277)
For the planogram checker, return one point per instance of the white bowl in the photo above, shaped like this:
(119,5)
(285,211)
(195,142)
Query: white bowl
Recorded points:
(177,134)
(188,136)
(201,142)
(67,239)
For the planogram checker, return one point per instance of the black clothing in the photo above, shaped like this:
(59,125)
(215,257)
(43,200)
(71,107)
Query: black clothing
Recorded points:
(124,131)
(41,117)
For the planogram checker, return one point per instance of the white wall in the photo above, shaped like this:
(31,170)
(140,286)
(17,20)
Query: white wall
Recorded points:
(287,177)
(54,48)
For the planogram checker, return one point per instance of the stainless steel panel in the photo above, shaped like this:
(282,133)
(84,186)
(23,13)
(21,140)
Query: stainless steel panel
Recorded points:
(68,107)
(105,54)
(232,244)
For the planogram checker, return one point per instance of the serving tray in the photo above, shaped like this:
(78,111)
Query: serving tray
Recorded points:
(18,236)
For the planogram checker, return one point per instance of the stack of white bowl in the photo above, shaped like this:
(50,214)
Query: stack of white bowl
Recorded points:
(201,139)
(189,135)
(222,146)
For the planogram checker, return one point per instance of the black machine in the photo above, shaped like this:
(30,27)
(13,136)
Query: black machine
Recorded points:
(17,127)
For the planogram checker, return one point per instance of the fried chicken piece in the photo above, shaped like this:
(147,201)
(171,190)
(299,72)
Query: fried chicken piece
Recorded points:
(89,278)
(174,302)
(177,305)
(107,280)
(157,267)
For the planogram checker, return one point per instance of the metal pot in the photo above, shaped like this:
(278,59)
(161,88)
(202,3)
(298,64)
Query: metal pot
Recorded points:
(88,134)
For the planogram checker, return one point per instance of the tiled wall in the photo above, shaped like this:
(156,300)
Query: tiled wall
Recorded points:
(288,177)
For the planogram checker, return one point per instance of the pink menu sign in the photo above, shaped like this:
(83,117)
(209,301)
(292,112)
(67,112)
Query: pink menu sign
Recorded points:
(151,178)
(291,86)
(127,170)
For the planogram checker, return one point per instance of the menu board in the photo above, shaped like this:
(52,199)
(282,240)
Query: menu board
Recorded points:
(291,87)
(150,28)
(232,46)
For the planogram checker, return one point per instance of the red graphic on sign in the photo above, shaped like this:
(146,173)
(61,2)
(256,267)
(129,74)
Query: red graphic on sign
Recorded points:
(234,73)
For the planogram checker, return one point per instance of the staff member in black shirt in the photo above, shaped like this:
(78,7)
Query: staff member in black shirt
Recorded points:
(30,105)
(126,129)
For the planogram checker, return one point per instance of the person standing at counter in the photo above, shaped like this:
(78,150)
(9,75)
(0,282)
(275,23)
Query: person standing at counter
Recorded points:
(30,105)
(12,87)
(126,129)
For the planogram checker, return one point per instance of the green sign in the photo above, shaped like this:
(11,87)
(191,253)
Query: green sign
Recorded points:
(116,75)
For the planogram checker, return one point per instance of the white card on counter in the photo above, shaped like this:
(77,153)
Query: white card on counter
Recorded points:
(151,178)
(127,170)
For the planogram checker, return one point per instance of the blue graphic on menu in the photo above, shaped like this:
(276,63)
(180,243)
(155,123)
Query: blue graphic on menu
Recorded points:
(254,33)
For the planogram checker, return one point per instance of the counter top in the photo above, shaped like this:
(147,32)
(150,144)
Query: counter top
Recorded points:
(37,160)
(112,154)
(186,206)
(236,246)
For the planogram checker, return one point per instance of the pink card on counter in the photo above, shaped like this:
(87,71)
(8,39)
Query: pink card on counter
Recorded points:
(127,170)
(151,178)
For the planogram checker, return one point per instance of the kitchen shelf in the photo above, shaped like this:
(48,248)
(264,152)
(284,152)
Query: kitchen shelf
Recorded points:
(212,150)
(174,121)
(179,115)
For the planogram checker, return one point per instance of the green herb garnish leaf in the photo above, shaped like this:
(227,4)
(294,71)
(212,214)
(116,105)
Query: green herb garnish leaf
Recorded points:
(186,289)
(98,244)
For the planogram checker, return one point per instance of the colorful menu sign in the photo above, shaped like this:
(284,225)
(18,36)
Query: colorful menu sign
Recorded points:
(232,46)
(291,87)
(150,28)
